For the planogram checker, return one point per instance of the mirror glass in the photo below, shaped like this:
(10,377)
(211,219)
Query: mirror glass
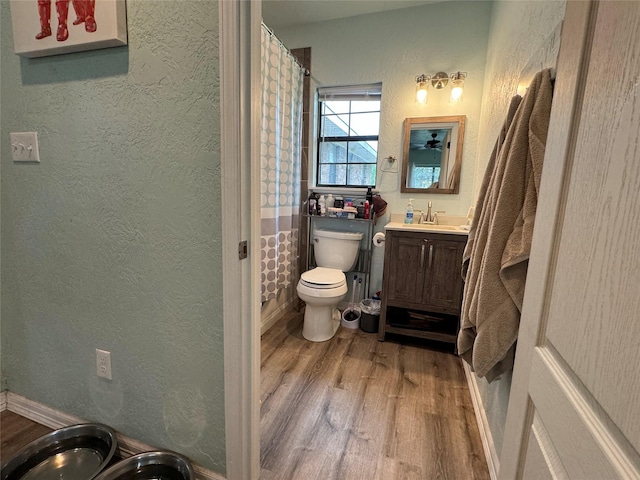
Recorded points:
(432,154)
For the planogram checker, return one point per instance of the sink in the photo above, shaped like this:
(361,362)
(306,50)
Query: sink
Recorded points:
(428,226)
(425,227)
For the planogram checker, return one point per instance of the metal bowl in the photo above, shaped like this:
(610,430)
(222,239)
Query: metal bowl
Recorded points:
(150,466)
(78,452)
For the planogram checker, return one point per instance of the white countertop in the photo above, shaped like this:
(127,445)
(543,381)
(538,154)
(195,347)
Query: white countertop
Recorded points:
(450,229)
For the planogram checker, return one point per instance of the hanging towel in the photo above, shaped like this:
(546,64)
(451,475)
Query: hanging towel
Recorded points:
(498,260)
(486,181)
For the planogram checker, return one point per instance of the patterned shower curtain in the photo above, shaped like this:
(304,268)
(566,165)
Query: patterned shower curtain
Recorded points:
(280,157)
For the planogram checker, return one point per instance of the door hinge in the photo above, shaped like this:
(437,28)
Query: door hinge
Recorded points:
(242,250)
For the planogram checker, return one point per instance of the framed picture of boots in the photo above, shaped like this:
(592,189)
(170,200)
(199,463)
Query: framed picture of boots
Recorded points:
(53,27)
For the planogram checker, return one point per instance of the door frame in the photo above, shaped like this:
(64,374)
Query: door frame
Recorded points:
(239,57)
(568,95)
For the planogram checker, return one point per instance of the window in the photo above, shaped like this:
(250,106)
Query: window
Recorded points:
(349,125)
(424,176)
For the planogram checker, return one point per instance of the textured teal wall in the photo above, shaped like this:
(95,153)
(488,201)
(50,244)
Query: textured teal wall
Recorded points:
(113,241)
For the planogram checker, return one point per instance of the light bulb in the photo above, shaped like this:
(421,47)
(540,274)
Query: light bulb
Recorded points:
(457,87)
(421,95)
(456,94)
(421,88)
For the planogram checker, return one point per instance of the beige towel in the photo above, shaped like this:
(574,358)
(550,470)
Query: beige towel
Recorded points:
(500,246)
(486,181)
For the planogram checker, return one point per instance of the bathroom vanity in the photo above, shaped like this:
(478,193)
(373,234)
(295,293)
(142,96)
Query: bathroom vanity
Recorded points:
(422,283)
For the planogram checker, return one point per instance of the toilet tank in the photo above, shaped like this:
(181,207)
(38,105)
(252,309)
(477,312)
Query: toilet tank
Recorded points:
(337,250)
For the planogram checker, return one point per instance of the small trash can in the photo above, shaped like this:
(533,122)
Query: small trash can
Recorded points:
(370,315)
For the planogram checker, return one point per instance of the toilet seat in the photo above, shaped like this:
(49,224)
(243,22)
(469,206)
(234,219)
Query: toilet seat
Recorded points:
(323,278)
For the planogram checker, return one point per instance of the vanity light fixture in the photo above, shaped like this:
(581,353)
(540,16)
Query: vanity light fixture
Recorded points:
(422,86)
(457,86)
(439,81)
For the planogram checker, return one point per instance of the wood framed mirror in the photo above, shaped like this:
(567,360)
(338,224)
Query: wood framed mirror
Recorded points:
(432,154)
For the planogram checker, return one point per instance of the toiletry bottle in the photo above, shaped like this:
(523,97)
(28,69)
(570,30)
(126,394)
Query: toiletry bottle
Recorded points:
(322,205)
(312,204)
(369,197)
(329,201)
(366,209)
(408,218)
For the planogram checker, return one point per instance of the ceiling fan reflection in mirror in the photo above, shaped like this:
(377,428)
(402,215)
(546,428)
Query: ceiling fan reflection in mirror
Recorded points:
(433,144)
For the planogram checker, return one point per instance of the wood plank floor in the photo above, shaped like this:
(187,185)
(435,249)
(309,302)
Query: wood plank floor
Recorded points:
(354,408)
(16,432)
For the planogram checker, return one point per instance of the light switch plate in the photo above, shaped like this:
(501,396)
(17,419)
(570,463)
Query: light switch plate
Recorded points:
(24,147)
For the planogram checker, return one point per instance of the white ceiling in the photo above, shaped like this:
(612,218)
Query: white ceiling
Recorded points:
(285,13)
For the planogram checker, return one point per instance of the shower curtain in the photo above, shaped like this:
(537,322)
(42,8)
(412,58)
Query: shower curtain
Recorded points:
(280,157)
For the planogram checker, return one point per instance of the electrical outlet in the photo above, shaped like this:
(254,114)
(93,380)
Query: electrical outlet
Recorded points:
(103,363)
(24,147)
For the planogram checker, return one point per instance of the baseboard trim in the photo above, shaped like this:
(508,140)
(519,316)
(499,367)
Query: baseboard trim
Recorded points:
(3,400)
(54,419)
(269,321)
(39,413)
(493,461)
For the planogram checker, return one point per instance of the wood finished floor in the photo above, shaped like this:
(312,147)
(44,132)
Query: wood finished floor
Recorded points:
(16,432)
(354,408)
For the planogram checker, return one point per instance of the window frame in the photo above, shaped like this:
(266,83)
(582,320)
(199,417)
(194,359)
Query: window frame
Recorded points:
(351,93)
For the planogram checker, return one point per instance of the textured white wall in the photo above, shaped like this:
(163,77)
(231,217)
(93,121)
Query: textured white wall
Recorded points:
(113,241)
(393,47)
(518,30)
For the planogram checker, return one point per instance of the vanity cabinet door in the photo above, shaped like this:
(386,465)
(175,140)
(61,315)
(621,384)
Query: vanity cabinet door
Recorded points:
(422,285)
(443,279)
(405,258)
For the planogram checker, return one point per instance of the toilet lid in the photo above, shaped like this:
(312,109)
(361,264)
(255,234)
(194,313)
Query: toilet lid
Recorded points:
(321,277)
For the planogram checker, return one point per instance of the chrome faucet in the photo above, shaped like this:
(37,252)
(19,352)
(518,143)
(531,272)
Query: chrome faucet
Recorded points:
(428,218)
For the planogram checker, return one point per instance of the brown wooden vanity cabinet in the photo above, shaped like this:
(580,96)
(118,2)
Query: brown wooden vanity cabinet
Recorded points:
(422,285)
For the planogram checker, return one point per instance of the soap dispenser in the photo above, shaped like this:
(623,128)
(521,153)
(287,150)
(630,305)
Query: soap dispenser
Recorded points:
(408,218)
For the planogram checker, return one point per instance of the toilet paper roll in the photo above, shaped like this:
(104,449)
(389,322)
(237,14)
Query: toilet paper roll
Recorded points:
(378,239)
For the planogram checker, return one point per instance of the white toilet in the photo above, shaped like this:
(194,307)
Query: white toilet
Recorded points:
(323,287)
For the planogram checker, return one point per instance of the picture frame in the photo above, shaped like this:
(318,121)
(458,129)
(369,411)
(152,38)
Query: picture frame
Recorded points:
(54,27)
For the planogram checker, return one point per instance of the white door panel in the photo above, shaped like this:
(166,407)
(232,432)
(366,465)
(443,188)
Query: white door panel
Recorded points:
(542,461)
(535,466)
(587,442)
(575,399)
(594,314)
